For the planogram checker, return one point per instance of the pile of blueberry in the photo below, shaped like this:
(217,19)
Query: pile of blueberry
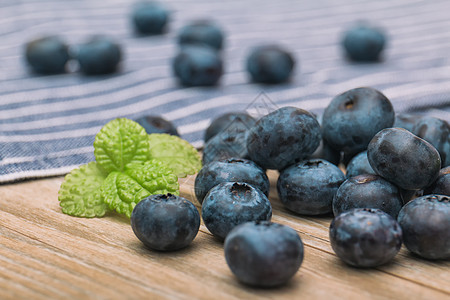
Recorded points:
(396,189)
(373,204)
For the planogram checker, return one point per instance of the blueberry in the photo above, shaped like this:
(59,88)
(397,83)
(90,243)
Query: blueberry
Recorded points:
(282,137)
(308,187)
(229,204)
(367,191)
(165,222)
(263,254)
(232,169)
(425,222)
(270,64)
(364,43)
(47,55)
(441,185)
(100,55)
(437,133)
(197,66)
(403,158)
(157,124)
(202,32)
(224,121)
(352,119)
(364,237)
(150,18)
(231,142)
(358,165)
(406,121)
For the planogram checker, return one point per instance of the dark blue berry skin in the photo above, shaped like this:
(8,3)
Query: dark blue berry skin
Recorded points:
(98,56)
(263,254)
(358,165)
(202,32)
(198,66)
(352,119)
(150,18)
(156,124)
(229,204)
(308,187)
(364,43)
(441,185)
(406,121)
(436,132)
(425,222)
(165,222)
(324,151)
(47,55)
(404,159)
(228,143)
(223,122)
(364,237)
(270,64)
(283,137)
(232,169)
(367,191)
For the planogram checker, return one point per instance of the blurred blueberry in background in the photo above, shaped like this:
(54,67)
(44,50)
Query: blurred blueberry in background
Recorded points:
(150,18)
(47,55)
(270,64)
(204,32)
(100,55)
(364,43)
(198,66)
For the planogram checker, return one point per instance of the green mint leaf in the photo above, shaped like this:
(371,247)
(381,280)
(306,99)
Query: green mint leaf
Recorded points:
(79,194)
(123,190)
(119,143)
(176,153)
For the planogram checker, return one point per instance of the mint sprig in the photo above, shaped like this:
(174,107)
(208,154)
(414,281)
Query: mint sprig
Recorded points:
(130,165)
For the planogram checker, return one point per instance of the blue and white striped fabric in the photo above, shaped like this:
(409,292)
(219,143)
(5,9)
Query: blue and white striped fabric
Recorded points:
(48,123)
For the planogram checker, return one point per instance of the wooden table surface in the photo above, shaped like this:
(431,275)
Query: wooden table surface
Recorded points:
(45,254)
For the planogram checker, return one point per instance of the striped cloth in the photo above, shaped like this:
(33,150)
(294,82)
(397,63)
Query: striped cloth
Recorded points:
(48,123)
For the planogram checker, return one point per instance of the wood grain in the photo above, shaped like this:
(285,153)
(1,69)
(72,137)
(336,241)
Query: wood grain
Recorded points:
(45,254)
